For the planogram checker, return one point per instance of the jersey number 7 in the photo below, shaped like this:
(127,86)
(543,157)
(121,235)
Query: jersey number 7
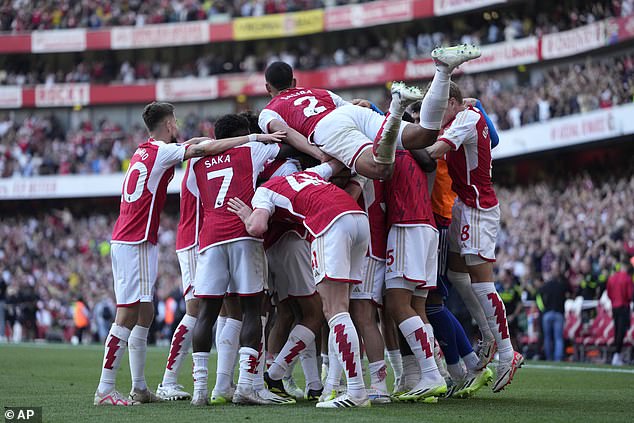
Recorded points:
(226,175)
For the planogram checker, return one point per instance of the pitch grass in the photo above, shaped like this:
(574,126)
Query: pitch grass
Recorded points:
(62,380)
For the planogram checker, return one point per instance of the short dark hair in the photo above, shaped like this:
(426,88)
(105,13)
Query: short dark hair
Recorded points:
(155,112)
(279,75)
(254,125)
(455,91)
(230,126)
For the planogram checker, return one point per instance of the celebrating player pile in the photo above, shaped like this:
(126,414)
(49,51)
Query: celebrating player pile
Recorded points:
(335,247)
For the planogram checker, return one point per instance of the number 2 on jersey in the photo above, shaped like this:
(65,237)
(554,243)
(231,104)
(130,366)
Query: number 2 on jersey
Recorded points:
(310,110)
(226,175)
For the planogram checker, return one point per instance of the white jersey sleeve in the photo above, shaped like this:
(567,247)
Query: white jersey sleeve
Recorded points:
(338,100)
(324,170)
(264,199)
(169,155)
(462,130)
(266,116)
(289,167)
(191,184)
(260,154)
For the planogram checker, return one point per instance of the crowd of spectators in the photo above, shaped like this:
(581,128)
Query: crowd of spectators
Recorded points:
(554,91)
(575,226)
(405,43)
(39,145)
(54,259)
(571,227)
(24,15)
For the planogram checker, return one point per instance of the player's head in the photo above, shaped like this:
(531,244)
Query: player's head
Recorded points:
(230,126)
(455,104)
(160,121)
(279,77)
(254,126)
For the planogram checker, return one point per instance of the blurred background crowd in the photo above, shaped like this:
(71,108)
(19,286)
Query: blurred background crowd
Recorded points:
(573,227)
(408,41)
(40,145)
(567,224)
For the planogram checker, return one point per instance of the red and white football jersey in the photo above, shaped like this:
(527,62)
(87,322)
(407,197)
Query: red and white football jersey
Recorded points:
(469,161)
(145,191)
(406,194)
(308,197)
(279,167)
(300,108)
(224,176)
(191,211)
(373,202)
(281,221)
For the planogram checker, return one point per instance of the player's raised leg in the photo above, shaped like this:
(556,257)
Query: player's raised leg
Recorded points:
(384,146)
(434,103)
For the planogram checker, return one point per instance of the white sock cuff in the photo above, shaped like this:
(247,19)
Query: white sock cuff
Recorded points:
(248,351)
(303,333)
(393,354)
(343,316)
(483,287)
(234,323)
(189,321)
(140,332)
(408,326)
(458,277)
(201,354)
(120,332)
(376,366)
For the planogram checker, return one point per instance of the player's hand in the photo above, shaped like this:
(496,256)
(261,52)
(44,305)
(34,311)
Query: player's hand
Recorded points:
(361,103)
(196,140)
(275,137)
(239,207)
(469,101)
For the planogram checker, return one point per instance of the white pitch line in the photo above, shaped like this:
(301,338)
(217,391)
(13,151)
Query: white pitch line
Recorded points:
(580,368)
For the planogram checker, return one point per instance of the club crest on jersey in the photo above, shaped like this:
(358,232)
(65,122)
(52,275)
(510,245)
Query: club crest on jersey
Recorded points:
(217,160)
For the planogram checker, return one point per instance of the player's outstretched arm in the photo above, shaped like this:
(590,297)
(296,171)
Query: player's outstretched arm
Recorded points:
(326,170)
(438,149)
(256,221)
(222,145)
(424,160)
(298,141)
(196,140)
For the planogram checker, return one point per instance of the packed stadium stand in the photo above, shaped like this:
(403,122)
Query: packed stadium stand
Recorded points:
(557,80)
